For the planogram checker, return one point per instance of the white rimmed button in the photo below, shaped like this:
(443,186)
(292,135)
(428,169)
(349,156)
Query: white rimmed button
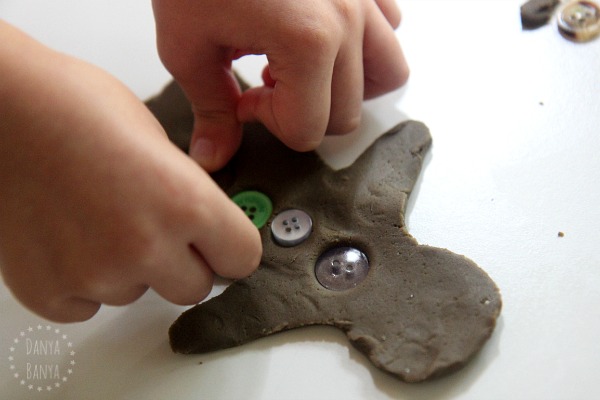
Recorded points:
(291,227)
(341,268)
(579,20)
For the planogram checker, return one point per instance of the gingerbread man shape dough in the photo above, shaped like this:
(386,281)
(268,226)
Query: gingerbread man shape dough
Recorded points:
(421,312)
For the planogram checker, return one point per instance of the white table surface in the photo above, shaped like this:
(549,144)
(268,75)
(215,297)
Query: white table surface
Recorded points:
(515,119)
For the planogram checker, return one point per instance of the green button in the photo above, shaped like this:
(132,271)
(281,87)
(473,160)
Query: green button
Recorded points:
(256,205)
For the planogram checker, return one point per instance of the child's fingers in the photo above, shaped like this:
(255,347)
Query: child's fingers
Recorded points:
(186,279)
(217,133)
(224,236)
(296,108)
(73,309)
(213,92)
(390,10)
(208,234)
(203,70)
(385,66)
(347,89)
(63,309)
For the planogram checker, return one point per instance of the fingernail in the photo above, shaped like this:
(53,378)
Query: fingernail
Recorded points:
(203,151)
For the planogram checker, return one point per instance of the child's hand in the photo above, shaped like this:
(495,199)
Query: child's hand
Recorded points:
(324,56)
(96,204)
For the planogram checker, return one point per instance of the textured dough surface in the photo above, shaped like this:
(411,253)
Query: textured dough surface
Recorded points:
(420,313)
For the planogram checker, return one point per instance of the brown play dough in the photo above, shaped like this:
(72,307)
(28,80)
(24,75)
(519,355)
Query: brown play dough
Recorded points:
(420,313)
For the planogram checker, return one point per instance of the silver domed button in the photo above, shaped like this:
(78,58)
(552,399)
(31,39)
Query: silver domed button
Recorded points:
(291,227)
(341,268)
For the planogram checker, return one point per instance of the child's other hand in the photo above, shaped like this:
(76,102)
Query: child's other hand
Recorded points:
(96,204)
(324,57)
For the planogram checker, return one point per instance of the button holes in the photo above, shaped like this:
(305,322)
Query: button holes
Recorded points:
(291,227)
(336,267)
(256,205)
(288,228)
(341,268)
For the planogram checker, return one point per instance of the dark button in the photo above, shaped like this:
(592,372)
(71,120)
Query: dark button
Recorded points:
(536,13)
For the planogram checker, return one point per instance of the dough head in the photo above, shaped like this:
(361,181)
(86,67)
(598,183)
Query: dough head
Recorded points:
(421,312)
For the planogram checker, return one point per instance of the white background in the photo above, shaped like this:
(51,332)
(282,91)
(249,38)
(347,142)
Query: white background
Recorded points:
(515,119)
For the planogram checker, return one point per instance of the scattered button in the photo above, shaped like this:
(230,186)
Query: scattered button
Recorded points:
(256,205)
(291,227)
(536,13)
(579,20)
(341,268)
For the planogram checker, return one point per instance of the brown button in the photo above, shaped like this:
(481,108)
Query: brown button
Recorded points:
(579,20)
(536,13)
